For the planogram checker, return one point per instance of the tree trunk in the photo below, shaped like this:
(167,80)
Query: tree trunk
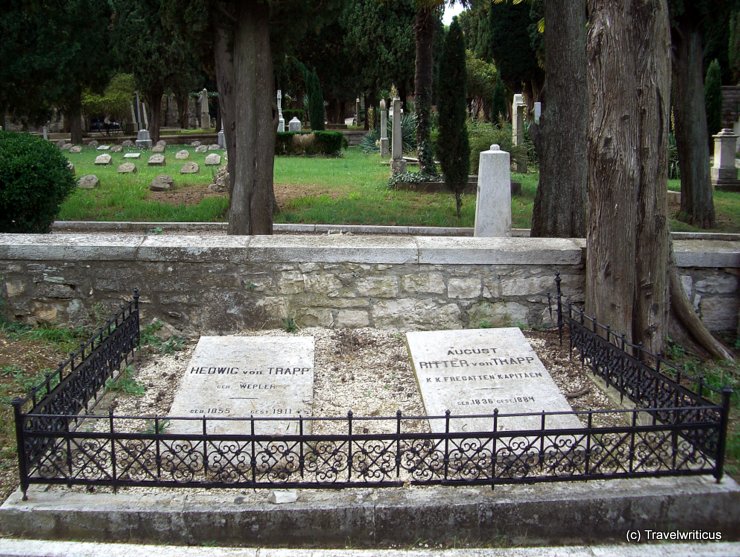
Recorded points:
(183,102)
(424,30)
(252,197)
(560,203)
(224,24)
(154,100)
(627,236)
(697,206)
(73,114)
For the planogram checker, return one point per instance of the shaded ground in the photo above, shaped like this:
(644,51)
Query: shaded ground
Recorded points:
(285,193)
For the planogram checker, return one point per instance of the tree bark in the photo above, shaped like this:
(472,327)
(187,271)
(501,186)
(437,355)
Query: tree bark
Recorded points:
(154,102)
(627,235)
(224,22)
(251,207)
(182,101)
(424,76)
(560,202)
(692,137)
(73,114)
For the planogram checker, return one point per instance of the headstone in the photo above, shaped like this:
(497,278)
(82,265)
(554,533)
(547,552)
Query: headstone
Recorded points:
(195,143)
(182,155)
(127,143)
(133,117)
(537,112)
(493,205)
(162,142)
(213,147)
(60,143)
(398,164)
(384,149)
(517,128)
(357,111)
(158,149)
(294,125)
(93,143)
(214,159)
(190,167)
(132,155)
(517,119)
(205,118)
(724,172)
(71,167)
(477,371)
(103,159)
(163,182)
(143,140)
(75,149)
(65,146)
(233,377)
(103,148)
(88,182)
(116,149)
(281,120)
(45,132)
(201,149)
(156,160)
(126,168)
(221,137)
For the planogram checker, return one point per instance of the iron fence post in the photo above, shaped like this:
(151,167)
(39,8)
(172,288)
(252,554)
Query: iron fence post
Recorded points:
(22,461)
(722,443)
(560,307)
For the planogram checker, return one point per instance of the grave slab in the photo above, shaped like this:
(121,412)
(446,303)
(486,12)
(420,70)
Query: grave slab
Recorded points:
(475,371)
(239,377)
(132,155)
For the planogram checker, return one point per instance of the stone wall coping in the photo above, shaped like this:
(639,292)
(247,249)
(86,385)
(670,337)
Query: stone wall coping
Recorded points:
(336,248)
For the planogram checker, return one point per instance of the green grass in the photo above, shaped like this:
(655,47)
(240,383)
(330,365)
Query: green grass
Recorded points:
(351,189)
(122,197)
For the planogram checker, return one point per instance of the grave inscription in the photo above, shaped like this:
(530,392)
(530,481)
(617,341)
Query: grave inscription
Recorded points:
(476,371)
(239,377)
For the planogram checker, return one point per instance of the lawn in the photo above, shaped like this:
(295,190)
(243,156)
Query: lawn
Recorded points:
(351,189)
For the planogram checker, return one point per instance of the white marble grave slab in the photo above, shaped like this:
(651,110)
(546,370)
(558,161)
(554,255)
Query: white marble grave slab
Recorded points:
(476,371)
(239,377)
(132,155)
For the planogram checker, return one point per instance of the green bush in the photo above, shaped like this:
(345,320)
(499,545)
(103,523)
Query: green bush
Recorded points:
(328,143)
(34,181)
(371,141)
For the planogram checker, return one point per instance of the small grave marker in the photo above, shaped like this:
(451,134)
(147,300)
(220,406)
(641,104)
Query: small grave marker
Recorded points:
(476,371)
(156,160)
(239,377)
(132,155)
(190,167)
(126,168)
(103,159)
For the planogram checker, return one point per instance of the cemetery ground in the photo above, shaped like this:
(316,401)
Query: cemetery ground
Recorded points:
(351,189)
(365,370)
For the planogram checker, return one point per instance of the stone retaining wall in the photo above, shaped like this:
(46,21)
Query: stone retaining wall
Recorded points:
(202,284)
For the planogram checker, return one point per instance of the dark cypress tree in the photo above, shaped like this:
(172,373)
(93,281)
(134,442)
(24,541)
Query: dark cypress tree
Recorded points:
(315,101)
(498,108)
(713,98)
(453,148)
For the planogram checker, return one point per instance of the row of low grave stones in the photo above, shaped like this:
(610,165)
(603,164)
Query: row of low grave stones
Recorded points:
(468,372)
(158,159)
(162,182)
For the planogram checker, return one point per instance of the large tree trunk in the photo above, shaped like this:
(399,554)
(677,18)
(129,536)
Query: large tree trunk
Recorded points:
(224,21)
(252,196)
(424,77)
(560,203)
(627,236)
(154,102)
(697,206)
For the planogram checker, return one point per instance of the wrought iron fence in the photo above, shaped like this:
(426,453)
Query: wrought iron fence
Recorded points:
(684,434)
(61,402)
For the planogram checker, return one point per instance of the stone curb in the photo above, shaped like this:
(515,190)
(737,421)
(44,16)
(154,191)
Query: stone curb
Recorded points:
(511,515)
(33,548)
